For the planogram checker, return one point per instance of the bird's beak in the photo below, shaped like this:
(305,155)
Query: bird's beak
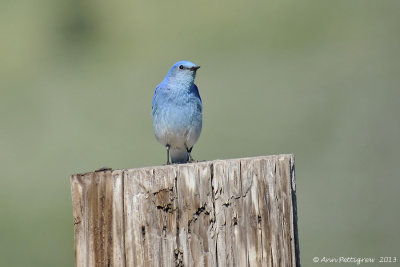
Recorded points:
(195,68)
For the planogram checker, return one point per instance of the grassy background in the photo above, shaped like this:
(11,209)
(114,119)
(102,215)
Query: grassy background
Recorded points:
(319,79)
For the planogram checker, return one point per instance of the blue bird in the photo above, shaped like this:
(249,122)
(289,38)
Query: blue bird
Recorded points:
(177,112)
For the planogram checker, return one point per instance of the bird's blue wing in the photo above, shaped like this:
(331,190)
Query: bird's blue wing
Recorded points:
(154,99)
(196,91)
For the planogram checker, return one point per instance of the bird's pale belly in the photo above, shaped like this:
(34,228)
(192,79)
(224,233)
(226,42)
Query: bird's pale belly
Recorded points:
(177,129)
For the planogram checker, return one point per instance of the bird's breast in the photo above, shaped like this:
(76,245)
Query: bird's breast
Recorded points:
(177,119)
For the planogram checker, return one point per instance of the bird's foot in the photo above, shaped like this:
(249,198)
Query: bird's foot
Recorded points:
(191,159)
(167,147)
(189,151)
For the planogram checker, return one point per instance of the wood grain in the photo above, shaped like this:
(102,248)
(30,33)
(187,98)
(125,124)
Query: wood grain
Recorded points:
(239,212)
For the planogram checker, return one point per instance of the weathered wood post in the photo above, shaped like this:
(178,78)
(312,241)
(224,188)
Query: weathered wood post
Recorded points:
(239,212)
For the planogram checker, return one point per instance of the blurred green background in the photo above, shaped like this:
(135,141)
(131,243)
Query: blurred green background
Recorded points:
(319,79)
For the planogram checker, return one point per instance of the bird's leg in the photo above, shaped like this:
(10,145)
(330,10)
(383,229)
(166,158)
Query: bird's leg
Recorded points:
(189,151)
(168,162)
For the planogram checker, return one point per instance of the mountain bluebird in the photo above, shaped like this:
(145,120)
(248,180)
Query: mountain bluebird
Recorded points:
(177,112)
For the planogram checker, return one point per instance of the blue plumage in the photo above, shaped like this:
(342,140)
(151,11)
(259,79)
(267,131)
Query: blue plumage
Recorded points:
(177,112)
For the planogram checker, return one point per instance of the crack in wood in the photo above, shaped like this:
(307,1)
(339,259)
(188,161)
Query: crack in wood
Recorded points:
(178,258)
(166,208)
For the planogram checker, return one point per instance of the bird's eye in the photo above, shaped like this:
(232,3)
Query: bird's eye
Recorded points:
(181,67)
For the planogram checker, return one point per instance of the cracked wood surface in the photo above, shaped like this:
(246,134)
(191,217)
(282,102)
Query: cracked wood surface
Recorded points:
(239,212)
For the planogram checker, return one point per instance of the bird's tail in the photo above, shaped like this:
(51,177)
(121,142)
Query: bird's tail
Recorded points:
(179,155)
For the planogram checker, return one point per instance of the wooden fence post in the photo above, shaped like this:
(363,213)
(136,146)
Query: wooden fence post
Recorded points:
(239,212)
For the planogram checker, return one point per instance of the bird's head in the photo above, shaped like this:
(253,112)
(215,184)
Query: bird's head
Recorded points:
(182,72)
